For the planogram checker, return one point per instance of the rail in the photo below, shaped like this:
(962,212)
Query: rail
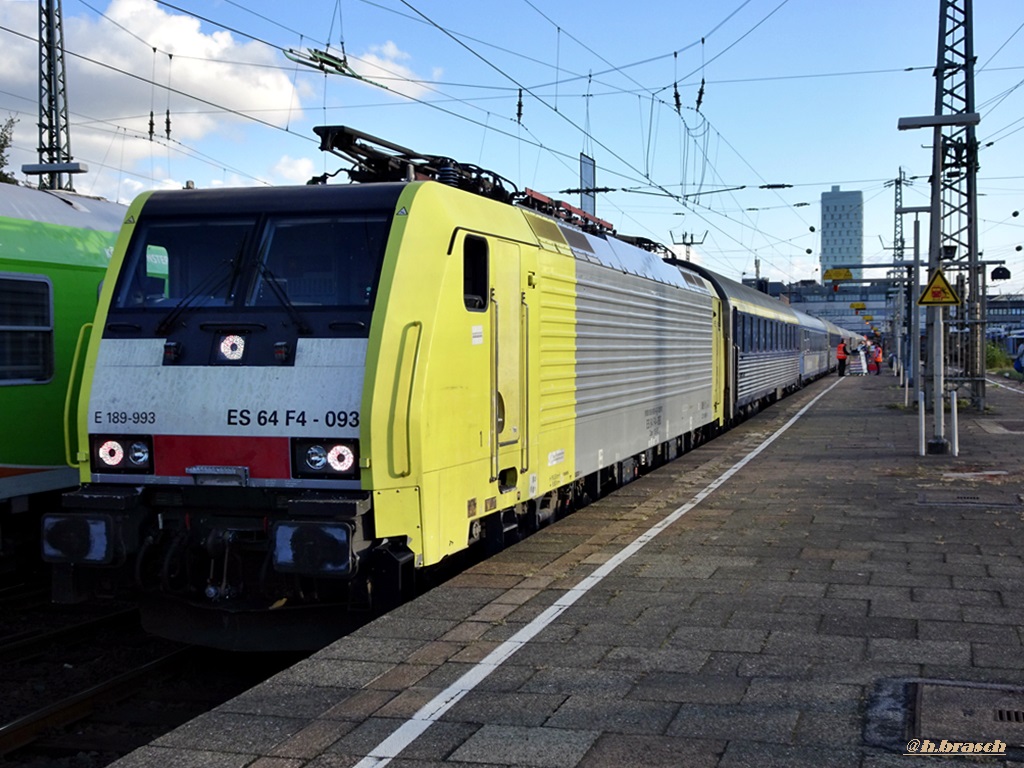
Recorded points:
(32,641)
(25,730)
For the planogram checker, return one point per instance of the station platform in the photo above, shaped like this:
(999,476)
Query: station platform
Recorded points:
(804,590)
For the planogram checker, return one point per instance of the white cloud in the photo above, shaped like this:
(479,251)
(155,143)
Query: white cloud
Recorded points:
(109,106)
(385,64)
(292,170)
(212,67)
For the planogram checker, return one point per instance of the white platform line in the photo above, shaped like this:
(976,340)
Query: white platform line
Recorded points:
(432,711)
(1018,390)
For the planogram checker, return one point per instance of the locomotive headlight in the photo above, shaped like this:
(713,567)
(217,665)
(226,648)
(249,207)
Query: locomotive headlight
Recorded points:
(122,454)
(77,538)
(312,548)
(230,348)
(325,459)
(316,457)
(341,458)
(111,453)
(138,454)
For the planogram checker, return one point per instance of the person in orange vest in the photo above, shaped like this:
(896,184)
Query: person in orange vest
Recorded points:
(878,359)
(841,357)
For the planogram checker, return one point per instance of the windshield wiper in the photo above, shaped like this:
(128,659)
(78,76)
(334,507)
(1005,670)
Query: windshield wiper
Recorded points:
(203,286)
(269,278)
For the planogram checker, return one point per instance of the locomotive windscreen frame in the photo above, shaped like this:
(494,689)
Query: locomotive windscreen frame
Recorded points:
(308,256)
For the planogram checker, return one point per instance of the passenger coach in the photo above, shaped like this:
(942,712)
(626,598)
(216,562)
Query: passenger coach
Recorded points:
(54,251)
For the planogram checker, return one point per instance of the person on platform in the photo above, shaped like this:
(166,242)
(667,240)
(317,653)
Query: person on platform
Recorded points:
(841,356)
(878,359)
(861,348)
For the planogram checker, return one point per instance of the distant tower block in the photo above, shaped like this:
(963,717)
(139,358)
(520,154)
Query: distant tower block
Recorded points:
(842,229)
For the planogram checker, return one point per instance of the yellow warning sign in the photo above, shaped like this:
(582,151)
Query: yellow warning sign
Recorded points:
(838,274)
(938,293)
(869,318)
(858,305)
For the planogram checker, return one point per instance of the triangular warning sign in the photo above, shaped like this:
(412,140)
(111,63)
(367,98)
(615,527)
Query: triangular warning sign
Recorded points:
(938,293)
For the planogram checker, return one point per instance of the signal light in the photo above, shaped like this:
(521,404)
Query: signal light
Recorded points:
(325,458)
(231,348)
(122,453)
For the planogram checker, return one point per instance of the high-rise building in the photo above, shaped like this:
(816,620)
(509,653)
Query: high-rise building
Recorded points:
(842,230)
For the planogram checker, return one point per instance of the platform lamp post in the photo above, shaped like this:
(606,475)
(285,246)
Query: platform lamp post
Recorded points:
(914,288)
(914,320)
(938,444)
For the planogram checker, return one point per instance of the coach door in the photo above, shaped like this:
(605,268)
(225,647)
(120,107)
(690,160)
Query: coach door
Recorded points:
(508,352)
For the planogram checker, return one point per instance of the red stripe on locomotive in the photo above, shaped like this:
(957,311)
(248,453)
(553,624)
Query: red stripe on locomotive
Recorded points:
(266,457)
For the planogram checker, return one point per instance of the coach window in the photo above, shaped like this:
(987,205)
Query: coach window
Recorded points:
(474,273)
(26,330)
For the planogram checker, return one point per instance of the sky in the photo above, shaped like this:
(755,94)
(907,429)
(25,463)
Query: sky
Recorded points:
(802,93)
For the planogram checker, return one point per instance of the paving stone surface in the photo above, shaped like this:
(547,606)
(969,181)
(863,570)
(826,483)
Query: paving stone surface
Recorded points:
(755,630)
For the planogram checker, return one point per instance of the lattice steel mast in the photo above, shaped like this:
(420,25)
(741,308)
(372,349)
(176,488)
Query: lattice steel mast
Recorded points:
(54,134)
(902,304)
(954,231)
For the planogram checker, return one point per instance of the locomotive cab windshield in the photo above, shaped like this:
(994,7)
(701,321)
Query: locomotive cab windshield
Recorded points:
(317,268)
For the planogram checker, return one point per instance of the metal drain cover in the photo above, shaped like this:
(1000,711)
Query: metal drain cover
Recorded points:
(969,712)
(970,498)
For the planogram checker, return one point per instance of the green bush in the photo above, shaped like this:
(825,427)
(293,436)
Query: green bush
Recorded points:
(997,357)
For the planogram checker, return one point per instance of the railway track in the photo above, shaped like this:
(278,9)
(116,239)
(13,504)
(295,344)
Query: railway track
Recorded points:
(24,595)
(85,693)
(71,709)
(34,642)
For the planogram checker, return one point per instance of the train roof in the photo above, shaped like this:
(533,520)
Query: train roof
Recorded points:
(624,257)
(382,196)
(810,321)
(59,207)
(748,299)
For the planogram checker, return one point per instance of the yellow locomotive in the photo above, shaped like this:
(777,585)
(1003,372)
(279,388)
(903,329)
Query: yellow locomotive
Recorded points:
(297,399)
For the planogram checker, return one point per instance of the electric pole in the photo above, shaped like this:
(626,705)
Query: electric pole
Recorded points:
(55,164)
(954,230)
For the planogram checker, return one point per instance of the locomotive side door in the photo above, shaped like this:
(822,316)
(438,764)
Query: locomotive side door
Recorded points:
(507,353)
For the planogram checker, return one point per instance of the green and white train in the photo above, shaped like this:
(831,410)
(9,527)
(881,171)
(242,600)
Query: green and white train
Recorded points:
(54,252)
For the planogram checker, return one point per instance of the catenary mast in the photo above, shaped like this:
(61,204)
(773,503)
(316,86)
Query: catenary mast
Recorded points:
(55,162)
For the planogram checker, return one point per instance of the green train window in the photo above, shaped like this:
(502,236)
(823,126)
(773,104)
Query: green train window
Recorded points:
(26,330)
